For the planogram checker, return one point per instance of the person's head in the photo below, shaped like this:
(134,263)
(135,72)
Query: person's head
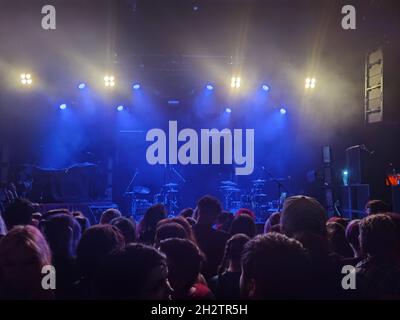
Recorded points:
(186,213)
(301,214)
(83,222)
(273,220)
(148,224)
(245,224)
(96,243)
(233,251)
(337,239)
(208,209)
(23,253)
(167,231)
(246,211)
(376,206)
(19,212)
(274,267)
(186,225)
(184,261)
(127,227)
(136,272)
(109,214)
(378,236)
(63,233)
(54,212)
(191,221)
(352,236)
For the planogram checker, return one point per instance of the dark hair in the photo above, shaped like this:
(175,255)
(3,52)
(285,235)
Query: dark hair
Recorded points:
(377,206)
(277,264)
(148,225)
(191,221)
(352,232)
(209,208)
(184,260)
(96,243)
(337,239)
(186,213)
(233,250)
(19,212)
(83,222)
(169,230)
(62,232)
(378,235)
(184,223)
(109,215)
(272,221)
(127,273)
(245,224)
(127,227)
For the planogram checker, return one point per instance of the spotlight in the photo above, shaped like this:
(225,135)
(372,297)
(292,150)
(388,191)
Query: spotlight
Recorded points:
(265,87)
(81,86)
(120,108)
(228,110)
(210,87)
(282,111)
(173,102)
(345,177)
(310,83)
(136,86)
(63,106)
(235,82)
(109,81)
(26,79)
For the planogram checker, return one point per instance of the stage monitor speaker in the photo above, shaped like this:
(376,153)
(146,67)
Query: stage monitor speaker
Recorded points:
(354,199)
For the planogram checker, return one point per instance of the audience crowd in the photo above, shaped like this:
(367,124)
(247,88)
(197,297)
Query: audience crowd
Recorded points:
(203,254)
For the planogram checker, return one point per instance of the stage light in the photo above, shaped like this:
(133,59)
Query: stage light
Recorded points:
(228,110)
(235,82)
(109,81)
(173,102)
(310,83)
(81,86)
(265,87)
(282,111)
(26,79)
(136,86)
(345,177)
(209,87)
(120,108)
(63,106)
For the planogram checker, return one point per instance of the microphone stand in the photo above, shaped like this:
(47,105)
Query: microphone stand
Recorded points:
(130,183)
(279,184)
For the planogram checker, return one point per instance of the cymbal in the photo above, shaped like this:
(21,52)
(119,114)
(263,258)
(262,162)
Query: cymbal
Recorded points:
(261,195)
(170,185)
(258,181)
(172,191)
(141,190)
(230,189)
(228,183)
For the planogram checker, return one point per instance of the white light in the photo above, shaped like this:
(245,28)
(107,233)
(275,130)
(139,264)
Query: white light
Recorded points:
(109,81)
(26,78)
(235,82)
(310,83)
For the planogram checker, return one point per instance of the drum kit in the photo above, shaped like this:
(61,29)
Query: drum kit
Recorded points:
(255,199)
(168,195)
(234,197)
